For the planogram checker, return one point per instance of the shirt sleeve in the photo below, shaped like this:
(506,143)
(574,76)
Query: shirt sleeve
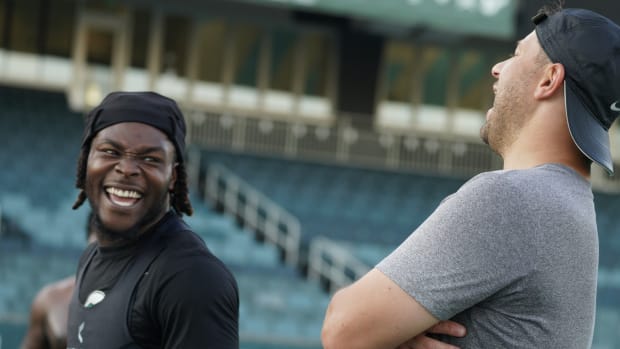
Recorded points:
(471,247)
(199,307)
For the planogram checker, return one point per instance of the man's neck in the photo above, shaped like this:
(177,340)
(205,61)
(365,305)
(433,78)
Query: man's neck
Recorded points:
(539,151)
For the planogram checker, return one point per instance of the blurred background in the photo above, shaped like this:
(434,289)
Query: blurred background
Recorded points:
(320,132)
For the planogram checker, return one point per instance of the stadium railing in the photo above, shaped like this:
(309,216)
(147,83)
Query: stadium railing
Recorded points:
(432,153)
(331,263)
(254,210)
(424,152)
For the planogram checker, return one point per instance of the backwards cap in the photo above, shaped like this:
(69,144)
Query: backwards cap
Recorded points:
(146,107)
(588,46)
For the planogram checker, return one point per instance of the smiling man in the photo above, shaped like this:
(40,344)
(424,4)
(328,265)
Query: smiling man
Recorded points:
(513,254)
(150,282)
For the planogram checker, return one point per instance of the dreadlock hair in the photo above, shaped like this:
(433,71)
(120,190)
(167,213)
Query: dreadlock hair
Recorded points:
(81,177)
(179,196)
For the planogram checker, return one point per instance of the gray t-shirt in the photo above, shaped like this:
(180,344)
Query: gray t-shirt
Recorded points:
(512,255)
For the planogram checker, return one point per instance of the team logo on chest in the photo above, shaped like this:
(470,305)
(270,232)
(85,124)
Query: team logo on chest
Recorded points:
(94,298)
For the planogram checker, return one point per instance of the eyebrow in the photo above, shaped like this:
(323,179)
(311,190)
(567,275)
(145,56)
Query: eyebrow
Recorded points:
(146,150)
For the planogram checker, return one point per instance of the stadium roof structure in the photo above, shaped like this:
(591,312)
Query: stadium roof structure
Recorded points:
(495,19)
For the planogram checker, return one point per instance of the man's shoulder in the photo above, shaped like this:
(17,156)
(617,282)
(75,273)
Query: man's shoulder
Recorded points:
(522,181)
(184,251)
(56,291)
(183,242)
(61,286)
(492,184)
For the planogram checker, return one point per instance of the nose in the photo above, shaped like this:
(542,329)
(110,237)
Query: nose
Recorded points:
(127,166)
(497,68)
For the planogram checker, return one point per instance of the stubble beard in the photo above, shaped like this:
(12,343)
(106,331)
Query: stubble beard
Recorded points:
(132,234)
(511,111)
(502,129)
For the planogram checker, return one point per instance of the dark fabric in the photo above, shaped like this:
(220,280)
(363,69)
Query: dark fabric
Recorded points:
(91,321)
(146,107)
(186,299)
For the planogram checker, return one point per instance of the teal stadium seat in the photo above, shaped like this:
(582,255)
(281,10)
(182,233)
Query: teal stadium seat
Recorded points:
(41,139)
(342,203)
(276,304)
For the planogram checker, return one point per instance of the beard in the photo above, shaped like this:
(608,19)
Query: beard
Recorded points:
(509,114)
(128,235)
(132,234)
(512,108)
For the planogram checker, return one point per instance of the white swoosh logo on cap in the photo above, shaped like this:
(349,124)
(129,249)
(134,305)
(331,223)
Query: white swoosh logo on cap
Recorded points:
(614,106)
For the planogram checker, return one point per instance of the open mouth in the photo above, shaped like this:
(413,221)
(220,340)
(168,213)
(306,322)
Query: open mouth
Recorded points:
(123,198)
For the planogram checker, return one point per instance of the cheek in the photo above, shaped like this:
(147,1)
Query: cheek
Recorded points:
(162,180)
(94,168)
(91,169)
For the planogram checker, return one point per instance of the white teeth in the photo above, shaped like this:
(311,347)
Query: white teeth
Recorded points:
(123,193)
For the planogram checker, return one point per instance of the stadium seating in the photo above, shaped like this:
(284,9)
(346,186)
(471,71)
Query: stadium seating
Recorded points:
(608,221)
(24,269)
(277,305)
(41,139)
(342,203)
(371,209)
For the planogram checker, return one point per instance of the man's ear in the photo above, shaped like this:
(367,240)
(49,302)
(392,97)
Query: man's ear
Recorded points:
(551,81)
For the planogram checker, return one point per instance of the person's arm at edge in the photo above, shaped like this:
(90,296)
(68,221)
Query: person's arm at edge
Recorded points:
(35,335)
(373,313)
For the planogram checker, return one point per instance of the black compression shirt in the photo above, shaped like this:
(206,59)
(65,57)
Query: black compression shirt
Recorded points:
(186,299)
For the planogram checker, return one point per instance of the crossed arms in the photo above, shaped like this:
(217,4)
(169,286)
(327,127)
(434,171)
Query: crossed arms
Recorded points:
(375,313)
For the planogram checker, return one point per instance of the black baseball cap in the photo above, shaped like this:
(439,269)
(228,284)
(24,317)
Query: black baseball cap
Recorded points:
(587,44)
(146,107)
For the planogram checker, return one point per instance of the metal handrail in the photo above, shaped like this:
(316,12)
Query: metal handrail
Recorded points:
(256,210)
(330,261)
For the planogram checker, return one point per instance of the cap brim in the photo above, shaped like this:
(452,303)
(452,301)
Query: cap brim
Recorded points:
(589,135)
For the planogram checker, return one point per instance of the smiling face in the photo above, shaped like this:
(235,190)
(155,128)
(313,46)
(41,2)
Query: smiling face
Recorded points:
(130,171)
(514,92)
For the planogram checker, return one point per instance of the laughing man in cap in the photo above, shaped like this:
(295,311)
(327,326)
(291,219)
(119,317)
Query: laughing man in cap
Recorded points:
(150,282)
(513,254)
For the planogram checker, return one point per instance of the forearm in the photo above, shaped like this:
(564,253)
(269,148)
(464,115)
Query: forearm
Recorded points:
(343,329)
(373,313)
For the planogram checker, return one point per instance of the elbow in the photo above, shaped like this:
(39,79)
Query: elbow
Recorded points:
(337,330)
(332,337)
(335,336)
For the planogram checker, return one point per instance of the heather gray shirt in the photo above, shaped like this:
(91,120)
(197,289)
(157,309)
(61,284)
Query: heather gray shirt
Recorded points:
(512,255)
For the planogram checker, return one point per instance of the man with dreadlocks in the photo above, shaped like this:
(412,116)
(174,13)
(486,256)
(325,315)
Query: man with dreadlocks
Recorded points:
(150,282)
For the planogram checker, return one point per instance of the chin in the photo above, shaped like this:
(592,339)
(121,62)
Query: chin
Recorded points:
(115,229)
(128,227)
(484,133)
